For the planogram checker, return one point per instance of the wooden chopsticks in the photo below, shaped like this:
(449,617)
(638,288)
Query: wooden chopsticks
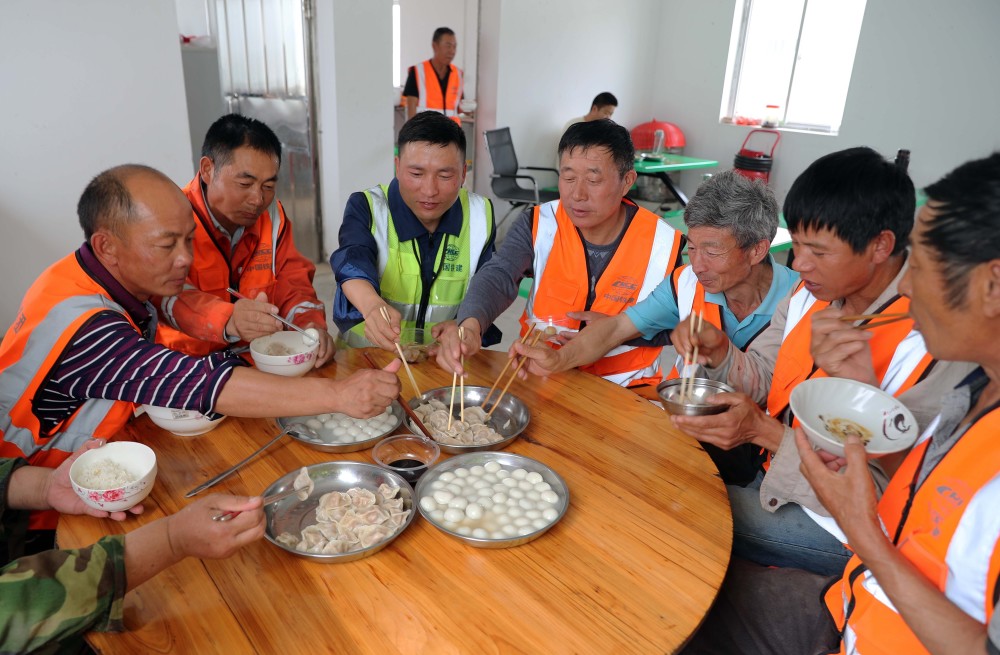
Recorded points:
(454,378)
(687,381)
(385,314)
(875,320)
(496,403)
(406,407)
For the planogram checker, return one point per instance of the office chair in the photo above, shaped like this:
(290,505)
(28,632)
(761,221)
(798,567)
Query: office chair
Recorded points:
(505,174)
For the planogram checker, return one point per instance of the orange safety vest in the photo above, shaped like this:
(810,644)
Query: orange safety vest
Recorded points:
(925,535)
(56,306)
(696,293)
(429,90)
(899,356)
(253,269)
(646,255)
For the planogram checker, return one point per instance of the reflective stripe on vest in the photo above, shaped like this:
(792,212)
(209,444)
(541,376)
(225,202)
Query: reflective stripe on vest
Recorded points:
(430,98)
(899,356)
(400,283)
(951,534)
(56,306)
(645,256)
(690,296)
(213,275)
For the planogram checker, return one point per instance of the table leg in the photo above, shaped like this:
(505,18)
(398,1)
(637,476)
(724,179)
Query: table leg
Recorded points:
(681,198)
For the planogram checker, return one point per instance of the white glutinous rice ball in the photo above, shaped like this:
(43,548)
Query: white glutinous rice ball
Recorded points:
(428,504)
(533,477)
(453,515)
(491,467)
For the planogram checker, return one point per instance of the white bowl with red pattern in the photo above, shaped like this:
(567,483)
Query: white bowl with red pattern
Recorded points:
(284,353)
(114,477)
(181,422)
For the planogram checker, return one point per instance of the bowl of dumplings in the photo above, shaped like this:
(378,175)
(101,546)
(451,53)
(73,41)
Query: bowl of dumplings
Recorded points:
(351,510)
(477,431)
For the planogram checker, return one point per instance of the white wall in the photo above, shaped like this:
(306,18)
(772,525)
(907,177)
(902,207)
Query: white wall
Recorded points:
(419,18)
(922,80)
(86,86)
(355,100)
(541,62)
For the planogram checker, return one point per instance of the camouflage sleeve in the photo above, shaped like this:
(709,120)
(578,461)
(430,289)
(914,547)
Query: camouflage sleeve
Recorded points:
(58,595)
(13,523)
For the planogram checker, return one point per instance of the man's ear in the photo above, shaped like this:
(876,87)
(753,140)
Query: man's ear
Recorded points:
(106,246)
(990,288)
(758,251)
(206,168)
(882,246)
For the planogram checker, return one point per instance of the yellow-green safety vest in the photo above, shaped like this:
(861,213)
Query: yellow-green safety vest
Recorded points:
(400,283)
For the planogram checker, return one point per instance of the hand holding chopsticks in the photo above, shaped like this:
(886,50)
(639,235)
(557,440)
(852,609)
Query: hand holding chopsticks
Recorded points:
(687,379)
(534,341)
(413,381)
(305,334)
(406,407)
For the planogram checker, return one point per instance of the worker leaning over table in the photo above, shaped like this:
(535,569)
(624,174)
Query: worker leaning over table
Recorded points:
(850,214)
(50,599)
(242,240)
(925,573)
(80,355)
(732,281)
(591,254)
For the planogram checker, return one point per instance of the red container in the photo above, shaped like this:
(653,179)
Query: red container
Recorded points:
(751,161)
(642,135)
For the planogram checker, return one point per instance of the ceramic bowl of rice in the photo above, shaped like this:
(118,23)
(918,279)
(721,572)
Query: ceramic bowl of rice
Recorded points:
(115,476)
(284,353)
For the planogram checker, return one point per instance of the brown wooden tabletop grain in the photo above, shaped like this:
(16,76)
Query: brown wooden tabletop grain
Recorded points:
(632,568)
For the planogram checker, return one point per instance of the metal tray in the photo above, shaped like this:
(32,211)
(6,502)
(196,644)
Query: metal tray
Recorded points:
(328,443)
(293,515)
(509,420)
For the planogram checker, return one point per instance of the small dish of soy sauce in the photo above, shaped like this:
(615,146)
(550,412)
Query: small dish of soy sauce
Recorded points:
(408,455)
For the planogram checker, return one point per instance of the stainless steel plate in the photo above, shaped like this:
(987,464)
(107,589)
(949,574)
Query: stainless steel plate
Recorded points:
(507,460)
(509,420)
(330,444)
(293,515)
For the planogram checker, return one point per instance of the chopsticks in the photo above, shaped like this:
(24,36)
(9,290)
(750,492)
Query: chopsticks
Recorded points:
(311,338)
(687,381)
(496,403)
(406,407)
(454,379)
(875,320)
(385,314)
(268,500)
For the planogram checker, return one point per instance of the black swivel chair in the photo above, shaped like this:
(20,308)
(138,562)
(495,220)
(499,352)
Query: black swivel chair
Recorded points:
(505,174)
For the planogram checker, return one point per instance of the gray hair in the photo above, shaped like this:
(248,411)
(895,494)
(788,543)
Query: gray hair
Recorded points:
(729,201)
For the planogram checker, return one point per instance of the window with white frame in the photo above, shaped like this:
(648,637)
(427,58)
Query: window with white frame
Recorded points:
(790,62)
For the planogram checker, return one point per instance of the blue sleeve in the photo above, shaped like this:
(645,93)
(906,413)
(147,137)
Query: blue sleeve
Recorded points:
(657,312)
(355,259)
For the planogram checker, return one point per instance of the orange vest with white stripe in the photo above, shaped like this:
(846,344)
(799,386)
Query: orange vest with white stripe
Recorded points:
(949,533)
(899,356)
(646,254)
(690,296)
(211,271)
(429,90)
(57,305)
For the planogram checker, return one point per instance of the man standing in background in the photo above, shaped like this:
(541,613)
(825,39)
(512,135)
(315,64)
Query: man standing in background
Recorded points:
(436,84)
(603,106)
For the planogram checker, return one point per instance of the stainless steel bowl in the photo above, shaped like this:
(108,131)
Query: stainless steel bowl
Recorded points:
(325,440)
(293,515)
(509,420)
(507,460)
(695,405)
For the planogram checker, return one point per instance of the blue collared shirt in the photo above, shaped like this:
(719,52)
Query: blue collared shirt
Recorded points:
(659,310)
(357,256)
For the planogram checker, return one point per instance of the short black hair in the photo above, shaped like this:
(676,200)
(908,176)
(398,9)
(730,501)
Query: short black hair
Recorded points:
(856,194)
(442,31)
(603,133)
(107,203)
(432,127)
(603,100)
(965,229)
(234,131)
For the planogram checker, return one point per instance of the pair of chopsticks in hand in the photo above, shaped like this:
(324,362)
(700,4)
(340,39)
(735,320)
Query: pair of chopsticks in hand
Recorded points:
(454,378)
(874,320)
(691,359)
(534,341)
(385,315)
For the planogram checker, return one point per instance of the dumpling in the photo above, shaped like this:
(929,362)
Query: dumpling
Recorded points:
(303,484)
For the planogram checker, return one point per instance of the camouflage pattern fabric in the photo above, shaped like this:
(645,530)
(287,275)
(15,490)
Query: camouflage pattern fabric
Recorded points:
(52,598)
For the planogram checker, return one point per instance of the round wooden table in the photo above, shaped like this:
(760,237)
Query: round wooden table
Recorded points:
(632,568)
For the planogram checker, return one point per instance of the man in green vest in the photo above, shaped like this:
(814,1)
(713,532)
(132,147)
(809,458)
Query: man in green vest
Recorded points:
(408,249)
